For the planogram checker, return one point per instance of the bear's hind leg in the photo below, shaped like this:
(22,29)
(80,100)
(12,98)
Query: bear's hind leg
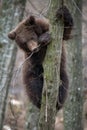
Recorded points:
(63,88)
(35,85)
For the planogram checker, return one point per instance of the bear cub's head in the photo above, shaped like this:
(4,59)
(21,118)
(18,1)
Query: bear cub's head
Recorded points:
(27,32)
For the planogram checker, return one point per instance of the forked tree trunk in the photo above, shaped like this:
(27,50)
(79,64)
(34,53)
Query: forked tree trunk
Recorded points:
(10,14)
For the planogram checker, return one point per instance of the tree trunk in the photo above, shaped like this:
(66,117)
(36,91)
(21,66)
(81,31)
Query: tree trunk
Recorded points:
(46,116)
(10,14)
(74,104)
(51,71)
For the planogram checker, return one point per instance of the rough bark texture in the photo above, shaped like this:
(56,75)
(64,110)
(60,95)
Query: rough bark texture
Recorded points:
(74,104)
(45,118)
(10,14)
(51,72)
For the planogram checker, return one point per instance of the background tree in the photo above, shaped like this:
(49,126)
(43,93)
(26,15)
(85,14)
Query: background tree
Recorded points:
(10,14)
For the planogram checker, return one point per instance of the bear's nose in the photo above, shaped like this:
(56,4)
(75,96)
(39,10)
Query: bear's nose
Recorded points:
(12,35)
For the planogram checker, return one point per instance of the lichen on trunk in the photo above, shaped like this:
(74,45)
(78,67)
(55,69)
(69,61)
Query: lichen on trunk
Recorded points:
(45,118)
(51,71)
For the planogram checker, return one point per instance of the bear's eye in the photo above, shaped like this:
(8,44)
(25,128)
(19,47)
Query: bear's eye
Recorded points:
(34,37)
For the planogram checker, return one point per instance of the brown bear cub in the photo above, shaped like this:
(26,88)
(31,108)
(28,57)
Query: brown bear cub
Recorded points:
(32,35)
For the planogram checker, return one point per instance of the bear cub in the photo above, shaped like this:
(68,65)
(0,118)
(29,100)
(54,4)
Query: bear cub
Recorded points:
(32,36)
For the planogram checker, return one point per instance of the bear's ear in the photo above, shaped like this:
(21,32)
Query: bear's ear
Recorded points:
(30,20)
(12,35)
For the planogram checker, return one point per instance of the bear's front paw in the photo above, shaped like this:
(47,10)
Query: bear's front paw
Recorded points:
(45,39)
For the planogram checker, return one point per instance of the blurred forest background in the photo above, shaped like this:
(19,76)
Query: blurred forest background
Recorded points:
(17,100)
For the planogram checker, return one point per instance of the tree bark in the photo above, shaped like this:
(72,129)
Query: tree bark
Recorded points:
(74,104)
(51,71)
(45,118)
(10,14)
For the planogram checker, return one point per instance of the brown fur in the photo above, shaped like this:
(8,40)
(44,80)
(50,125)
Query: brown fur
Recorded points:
(64,14)
(63,88)
(30,33)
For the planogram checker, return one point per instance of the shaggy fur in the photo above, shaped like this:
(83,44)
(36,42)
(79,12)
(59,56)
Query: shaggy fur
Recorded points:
(30,33)
(64,14)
